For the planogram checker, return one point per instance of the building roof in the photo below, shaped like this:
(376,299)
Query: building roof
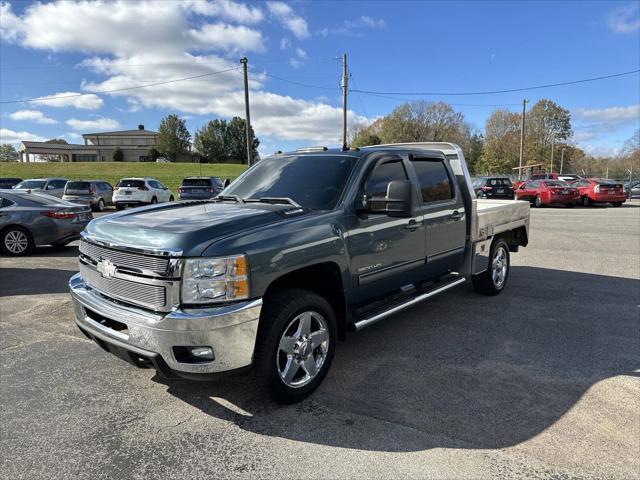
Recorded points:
(122,133)
(57,146)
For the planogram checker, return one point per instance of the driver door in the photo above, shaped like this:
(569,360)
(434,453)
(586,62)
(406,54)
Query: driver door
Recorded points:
(385,252)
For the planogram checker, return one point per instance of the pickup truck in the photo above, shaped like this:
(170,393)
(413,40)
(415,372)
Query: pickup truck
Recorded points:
(301,249)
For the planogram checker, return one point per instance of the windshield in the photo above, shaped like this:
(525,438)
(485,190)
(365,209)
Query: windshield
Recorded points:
(130,183)
(31,184)
(196,182)
(313,181)
(556,183)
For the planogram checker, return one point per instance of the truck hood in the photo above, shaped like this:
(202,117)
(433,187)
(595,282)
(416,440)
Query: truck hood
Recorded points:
(186,229)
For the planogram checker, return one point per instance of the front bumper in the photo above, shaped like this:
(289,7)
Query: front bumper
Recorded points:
(149,338)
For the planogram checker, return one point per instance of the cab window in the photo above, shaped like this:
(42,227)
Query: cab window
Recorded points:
(383,173)
(435,184)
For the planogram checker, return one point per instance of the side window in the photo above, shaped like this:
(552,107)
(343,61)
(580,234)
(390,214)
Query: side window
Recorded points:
(435,183)
(56,184)
(5,202)
(153,184)
(383,173)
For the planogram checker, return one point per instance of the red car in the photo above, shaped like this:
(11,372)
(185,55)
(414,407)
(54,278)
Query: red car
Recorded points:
(548,192)
(600,190)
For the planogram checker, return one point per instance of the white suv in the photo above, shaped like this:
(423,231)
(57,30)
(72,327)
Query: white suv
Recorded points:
(140,191)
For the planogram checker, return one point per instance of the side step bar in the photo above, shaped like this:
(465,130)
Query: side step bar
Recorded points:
(365,322)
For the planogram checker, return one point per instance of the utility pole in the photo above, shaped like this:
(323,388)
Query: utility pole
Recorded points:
(524,106)
(344,85)
(561,160)
(553,143)
(244,63)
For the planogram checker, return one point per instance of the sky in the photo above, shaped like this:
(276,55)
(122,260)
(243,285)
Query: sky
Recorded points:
(66,48)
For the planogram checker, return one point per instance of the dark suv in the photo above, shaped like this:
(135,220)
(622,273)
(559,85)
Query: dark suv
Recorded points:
(493,187)
(200,188)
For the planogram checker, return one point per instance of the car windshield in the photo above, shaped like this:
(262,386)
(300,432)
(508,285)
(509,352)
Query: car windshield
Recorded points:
(77,186)
(196,182)
(130,183)
(31,184)
(312,181)
(556,183)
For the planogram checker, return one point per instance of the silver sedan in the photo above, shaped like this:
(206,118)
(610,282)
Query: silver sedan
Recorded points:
(28,219)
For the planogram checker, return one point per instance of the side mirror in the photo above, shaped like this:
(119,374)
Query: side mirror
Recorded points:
(399,201)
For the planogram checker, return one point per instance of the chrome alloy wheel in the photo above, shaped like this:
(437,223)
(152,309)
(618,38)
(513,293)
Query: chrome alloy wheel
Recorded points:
(499,267)
(302,349)
(16,241)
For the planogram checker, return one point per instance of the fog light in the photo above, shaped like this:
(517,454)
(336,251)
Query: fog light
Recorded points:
(193,354)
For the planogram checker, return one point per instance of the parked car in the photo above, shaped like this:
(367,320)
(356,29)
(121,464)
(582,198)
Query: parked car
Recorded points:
(632,189)
(131,192)
(302,247)
(493,187)
(98,194)
(600,190)
(548,192)
(199,188)
(162,160)
(9,182)
(29,218)
(50,186)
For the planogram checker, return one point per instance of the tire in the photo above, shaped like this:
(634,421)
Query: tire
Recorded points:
(586,201)
(119,206)
(287,366)
(171,199)
(16,241)
(617,204)
(100,206)
(537,201)
(154,200)
(486,282)
(570,205)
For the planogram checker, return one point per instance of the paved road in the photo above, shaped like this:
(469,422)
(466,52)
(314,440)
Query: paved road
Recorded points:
(542,381)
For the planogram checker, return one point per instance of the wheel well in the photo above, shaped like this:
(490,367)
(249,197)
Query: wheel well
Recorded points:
(515,238)
(324,279)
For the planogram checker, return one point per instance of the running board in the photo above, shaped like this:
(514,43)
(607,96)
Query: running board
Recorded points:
(437,288)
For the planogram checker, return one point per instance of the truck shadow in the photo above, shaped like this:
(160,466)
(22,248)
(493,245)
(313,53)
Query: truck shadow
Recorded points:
(33,281)
(463,370)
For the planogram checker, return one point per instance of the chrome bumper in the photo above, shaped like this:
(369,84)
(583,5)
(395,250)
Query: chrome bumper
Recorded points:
(229,330)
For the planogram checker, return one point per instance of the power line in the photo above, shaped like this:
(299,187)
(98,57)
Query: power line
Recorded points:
(293,82)
(364,109)
(452,104)
(511,90)
(45,99)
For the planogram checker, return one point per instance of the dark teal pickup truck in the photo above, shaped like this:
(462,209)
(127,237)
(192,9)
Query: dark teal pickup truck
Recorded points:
(298,251)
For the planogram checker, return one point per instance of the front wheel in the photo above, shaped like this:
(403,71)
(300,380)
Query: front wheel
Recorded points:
(171,199)
(586,201)
(538,201)
(493,280)
(295,345)
(154,200)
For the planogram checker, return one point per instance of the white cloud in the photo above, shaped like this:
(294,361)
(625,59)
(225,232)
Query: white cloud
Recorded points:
(222,36)
(355,27)
(96,125)
(625,19)
(70,99)
(227,10)
(9,23)
(285,43)
(32,116)
(610,115)
(372,22)
(14,138)
(301,53)
(289,19)
(601,151)
(295,63)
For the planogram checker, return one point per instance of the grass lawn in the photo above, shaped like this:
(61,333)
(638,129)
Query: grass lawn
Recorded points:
(171,174)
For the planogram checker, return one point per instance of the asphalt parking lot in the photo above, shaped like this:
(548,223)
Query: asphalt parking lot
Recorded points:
(542,381)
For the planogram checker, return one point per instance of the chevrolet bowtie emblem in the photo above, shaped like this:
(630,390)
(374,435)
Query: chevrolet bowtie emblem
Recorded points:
(106,268)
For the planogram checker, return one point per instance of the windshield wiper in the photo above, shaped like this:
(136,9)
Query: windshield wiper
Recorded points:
(233,198)
(274,200)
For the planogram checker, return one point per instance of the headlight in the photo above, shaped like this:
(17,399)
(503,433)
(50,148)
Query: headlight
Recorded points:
(208,280)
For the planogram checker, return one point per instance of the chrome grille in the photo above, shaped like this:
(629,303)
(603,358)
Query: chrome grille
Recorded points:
(152,296)
(124,259)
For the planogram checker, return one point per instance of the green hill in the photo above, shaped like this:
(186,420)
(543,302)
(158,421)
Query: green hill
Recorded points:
(171,174)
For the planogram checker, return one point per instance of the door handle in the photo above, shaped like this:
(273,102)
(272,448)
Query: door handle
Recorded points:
(412,225)
(456,215)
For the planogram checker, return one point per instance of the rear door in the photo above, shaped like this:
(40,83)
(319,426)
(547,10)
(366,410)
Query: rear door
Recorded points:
(385,252)
(443,214)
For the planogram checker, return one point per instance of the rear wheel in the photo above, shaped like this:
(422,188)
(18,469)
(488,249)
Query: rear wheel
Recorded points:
(100,206)
(16,241)
(119,206)
(586,201)
(538,201)
(154,200)
(617,204)
(295,345)
(171,198)
(570,205)
(493,280)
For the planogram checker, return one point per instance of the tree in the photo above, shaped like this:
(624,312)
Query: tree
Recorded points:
(8,153)
(501,147)
(364,137)
(118,155)
(220,141)
(546,123)
(474,152)
(173,137)
(153,154)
